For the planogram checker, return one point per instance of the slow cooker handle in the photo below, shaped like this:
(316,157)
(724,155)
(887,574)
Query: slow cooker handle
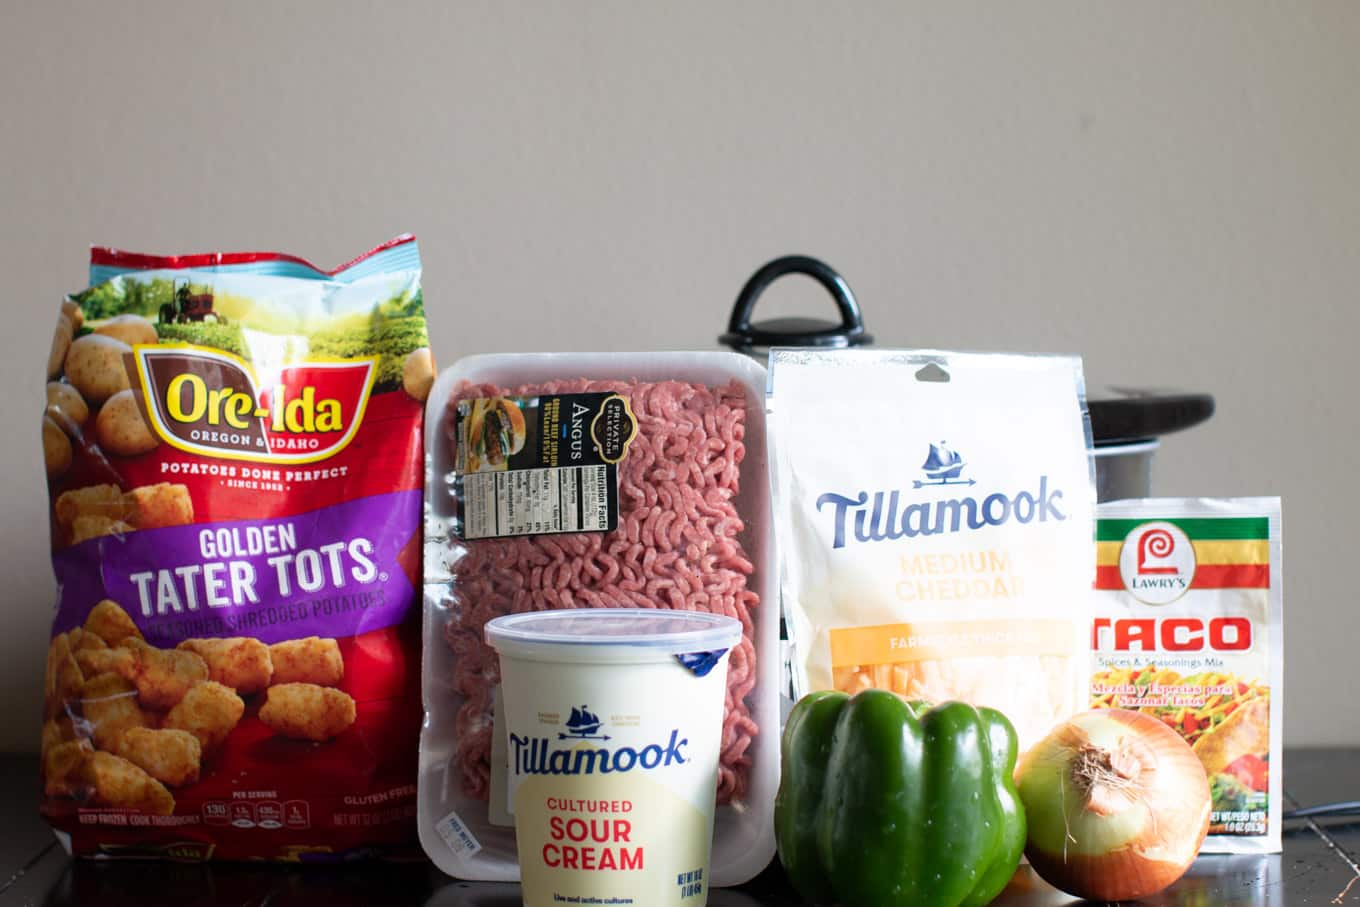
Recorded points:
(741,333)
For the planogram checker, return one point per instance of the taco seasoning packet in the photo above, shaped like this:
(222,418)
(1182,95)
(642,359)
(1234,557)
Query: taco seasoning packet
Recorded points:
(1188,629)
(234,457)
(936,513)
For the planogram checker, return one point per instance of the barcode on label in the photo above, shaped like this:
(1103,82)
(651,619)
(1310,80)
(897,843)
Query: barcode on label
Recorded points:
(536,501)
(458,836)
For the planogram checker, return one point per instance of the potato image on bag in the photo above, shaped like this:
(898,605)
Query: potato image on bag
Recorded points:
(116,782)
(72,310)
(56,447)
(109,705)
(305,711)
(170,756)
(239,662)
(68,401)
(311,660)
(111,623)
(418,373)
(61,344)
(120,427)
(162,676)
(158,506)
(209,711)
(94,366)
(131,329)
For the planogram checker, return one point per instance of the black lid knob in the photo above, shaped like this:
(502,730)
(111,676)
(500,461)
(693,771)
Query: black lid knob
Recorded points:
(743,334)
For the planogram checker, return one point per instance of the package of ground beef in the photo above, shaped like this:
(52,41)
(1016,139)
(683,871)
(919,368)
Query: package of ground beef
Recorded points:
(559,481)
(233,451)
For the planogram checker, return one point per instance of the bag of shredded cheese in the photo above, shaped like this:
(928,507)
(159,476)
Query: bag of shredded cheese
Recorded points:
(935,513)
(1187,628)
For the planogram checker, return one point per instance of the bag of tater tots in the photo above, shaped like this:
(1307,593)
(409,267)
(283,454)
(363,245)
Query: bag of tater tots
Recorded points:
(233,451)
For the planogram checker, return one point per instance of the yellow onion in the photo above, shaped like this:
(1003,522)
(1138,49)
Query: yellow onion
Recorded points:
(1117,804)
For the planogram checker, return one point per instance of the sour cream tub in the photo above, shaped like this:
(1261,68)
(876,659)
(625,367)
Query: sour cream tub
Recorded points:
(613,724)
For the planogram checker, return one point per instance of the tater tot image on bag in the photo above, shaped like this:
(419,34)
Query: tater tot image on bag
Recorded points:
(102,661)
(209,711)
(169,755)
(158,506)
(108,703)
(67,681)
(61,767)
(311,660)
(55,731)
(162,676)
(305,711)
(111,623)
(88,527)
(64,675)
(92,501)
(82,639)
(116,782)
(238,662)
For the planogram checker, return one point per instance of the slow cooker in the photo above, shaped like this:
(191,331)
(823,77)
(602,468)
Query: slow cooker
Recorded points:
(1127,424)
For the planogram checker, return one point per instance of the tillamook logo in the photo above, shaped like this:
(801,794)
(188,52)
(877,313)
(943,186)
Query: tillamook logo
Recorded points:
(1157,563)
(536,756)
(885,519)
(207,402)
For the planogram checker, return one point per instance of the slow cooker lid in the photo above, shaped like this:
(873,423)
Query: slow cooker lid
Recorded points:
(1119,415)
(1123,414)
(743,334)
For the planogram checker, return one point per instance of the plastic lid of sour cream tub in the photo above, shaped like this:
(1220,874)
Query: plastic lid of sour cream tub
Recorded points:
(610,634)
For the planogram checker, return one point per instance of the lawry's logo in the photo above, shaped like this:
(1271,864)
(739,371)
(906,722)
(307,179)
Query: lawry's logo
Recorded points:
(539,756)
(208,402)
(880,517)
(942,467)
(1157,563)
(583,724)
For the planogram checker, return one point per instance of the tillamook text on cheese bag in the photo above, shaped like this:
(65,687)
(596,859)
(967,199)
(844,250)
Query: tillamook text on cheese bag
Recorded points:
(935,512)
(1187,628)
(233,451)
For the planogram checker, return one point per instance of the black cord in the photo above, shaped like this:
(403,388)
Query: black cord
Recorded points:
(1344,808)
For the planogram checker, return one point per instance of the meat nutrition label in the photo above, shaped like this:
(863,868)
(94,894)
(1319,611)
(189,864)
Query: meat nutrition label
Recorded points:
(536,501)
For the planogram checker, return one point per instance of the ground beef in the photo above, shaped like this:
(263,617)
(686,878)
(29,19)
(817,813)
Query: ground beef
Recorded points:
(676,546)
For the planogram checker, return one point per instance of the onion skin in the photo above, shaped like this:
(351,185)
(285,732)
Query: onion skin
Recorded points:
(1169,811)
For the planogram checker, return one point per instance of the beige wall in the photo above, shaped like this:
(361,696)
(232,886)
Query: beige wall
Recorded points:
(1167,188)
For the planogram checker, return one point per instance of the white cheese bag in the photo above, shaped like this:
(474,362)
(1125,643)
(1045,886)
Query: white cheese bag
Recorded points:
(935,516)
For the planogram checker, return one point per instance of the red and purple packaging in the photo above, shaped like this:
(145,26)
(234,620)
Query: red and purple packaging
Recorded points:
(234,457)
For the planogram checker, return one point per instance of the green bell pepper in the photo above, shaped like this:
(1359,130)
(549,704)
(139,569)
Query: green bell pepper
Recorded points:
(885,803)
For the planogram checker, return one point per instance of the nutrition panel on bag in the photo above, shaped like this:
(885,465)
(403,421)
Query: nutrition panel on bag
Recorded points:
(537,501)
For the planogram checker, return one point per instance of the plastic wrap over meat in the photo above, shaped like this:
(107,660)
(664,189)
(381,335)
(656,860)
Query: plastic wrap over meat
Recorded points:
(676,546)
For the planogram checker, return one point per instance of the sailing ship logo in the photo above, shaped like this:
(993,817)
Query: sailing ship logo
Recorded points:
(583,724)
(942,467)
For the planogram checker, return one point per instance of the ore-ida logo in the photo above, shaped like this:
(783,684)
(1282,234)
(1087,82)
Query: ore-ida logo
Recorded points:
(1157,563)
(209,402)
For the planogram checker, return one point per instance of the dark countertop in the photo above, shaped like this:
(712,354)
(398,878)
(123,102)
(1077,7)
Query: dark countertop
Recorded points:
(1320,865)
